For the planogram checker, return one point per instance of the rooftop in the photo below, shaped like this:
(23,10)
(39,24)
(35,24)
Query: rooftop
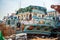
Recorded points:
(29,9)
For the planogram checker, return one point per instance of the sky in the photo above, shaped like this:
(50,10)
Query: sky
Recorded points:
(11,6)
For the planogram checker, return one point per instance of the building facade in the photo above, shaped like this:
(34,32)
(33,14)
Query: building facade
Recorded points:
(32,12)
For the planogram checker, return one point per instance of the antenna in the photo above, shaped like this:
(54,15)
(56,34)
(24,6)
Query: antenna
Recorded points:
(44,3)
(20,3)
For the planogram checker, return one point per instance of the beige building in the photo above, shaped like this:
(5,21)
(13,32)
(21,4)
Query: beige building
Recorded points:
(40,15)
(25,15)
(52,13)
(31,12)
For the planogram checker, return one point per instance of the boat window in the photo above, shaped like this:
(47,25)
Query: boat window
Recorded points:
(38,27)
(30,28)
(46,29)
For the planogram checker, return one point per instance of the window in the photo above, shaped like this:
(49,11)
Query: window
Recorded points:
(39,16)
(8,22)
(38,27)
(35,14)
(42,15)
(21,15)
(24,15)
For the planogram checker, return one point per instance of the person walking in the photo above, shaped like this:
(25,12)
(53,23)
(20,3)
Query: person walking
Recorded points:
(18,25)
